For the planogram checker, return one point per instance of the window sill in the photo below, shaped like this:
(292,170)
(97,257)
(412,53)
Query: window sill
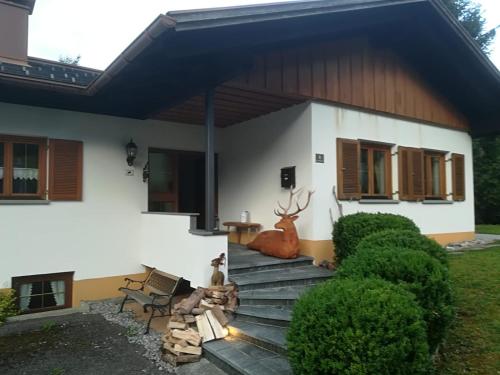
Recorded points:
(437,201)
(378,201)
(24,202)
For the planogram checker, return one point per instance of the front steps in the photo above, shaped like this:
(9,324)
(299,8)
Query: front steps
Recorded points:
(268,288)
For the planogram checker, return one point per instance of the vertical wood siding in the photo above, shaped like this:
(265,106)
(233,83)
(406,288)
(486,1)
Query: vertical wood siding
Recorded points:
(352,73)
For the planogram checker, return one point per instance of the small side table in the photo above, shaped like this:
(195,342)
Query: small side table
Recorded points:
(240,227)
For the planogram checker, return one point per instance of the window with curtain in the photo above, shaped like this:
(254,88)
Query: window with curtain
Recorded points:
(435,175)
(375,171)
(22,167)
(364,170)
(43,292)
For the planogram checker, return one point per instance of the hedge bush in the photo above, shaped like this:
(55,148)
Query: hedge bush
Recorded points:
(349,230)
(404,238)
(7,306)
(353,327)
(418,273)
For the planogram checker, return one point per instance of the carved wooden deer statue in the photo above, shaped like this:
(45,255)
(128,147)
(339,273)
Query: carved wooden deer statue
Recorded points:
(282,243)
(217,276)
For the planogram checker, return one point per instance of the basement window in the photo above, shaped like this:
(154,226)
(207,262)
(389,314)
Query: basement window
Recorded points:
(38,293)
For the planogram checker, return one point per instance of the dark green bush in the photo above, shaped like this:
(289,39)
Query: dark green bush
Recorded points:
(417,272)
(7,305)
(352,327)
(350,229)
(404,238)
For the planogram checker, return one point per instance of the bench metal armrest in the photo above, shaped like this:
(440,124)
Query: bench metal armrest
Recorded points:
(130,281)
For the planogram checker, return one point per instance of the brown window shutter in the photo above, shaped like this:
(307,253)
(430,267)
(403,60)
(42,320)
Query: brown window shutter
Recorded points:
(348,159)
(417,175)
(404,173)
(411,173)
(65,170)
(458,176)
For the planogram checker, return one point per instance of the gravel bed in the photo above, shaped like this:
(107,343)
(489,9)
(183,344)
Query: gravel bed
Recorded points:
(476,244)
(135,329)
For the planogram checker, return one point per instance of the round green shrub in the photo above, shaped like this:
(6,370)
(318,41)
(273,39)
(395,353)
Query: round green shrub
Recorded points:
(404,238)
(350,229)
(418,273)
(351,327)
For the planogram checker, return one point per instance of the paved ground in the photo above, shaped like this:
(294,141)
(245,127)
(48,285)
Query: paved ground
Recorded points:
(71,345)
(488,237)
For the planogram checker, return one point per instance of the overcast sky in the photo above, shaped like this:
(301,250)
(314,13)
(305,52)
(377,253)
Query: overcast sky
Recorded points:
(99,30)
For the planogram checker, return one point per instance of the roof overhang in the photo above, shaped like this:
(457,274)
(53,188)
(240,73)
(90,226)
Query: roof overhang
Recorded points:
(183,53)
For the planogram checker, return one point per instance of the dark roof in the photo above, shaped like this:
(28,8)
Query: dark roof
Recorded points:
(28,4)
(183,53)
(51,71)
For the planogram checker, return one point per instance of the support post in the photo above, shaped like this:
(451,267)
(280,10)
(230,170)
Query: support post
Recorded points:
(209,161)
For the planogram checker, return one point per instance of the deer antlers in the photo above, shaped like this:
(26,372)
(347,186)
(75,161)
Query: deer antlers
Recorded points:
(290,200)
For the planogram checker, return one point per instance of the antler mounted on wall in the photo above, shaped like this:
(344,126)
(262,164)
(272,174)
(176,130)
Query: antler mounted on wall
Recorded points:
(283,243)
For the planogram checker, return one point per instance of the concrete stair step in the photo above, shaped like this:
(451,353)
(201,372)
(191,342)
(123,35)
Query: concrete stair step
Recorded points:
(236,356)
(304,275)
(266,336)
(251,261)
(284,295)
(270,315)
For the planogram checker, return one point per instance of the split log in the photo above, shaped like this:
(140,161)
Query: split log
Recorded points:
(215,293)
(204,328)
(177,318)
(175,340)
(190,335)
(217,328)
(204,304)
(197,311)
(187,304)
(176,325)
(170,348)
(220,316)
(175,360)
(188,349)
(189,319)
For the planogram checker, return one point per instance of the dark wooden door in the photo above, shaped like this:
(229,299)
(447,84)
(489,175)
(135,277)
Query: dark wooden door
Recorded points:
(163,181)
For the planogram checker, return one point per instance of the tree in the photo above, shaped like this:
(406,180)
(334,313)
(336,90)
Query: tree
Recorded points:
(469,13)
(66,59)
(487,179)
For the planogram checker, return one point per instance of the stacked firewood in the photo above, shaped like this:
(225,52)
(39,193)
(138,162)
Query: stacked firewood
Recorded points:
(199,318)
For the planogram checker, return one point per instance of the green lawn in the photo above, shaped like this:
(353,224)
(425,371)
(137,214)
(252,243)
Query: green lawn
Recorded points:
(488,229)
(473,344)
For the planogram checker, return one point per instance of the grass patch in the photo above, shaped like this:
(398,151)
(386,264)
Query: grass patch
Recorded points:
(473,343)
(488,229)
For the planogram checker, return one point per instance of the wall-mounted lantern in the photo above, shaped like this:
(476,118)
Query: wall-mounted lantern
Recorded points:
(146,172)
(131,148)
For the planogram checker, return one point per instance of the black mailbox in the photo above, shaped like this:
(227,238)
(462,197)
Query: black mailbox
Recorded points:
(288,177)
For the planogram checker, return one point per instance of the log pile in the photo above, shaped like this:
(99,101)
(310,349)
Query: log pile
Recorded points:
(201,317)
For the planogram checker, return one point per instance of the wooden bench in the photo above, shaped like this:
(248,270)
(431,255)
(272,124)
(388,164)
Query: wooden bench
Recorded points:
(155,292)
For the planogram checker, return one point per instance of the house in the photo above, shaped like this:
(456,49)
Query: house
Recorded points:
(371,102)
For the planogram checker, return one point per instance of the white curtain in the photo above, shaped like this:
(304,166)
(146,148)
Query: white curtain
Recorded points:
(25,296)
(379,172)
(26,173)
(58,290)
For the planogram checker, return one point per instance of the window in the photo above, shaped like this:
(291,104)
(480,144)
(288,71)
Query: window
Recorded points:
(43,292)
(435,176)
(375,171)
(363,170)
(22,167)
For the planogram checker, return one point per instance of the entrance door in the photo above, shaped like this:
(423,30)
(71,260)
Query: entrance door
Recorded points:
(177,182)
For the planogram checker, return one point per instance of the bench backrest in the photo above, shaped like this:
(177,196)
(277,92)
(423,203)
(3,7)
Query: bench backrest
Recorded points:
(162,283)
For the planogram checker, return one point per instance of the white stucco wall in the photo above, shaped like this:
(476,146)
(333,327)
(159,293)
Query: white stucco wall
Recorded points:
(178,251)
(251,157)
(99,236)
(330,122)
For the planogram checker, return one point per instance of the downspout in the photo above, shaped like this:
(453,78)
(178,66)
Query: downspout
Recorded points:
(157,28)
